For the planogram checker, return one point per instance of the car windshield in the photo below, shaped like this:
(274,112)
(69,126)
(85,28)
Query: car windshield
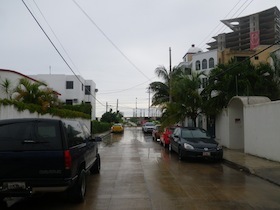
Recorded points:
(149,124)
(194,133)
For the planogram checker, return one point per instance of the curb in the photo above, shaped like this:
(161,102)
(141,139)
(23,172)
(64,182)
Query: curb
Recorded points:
(248,171)
(237,166)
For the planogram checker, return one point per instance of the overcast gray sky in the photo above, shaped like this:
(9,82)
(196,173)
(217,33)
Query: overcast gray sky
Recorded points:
(117,44)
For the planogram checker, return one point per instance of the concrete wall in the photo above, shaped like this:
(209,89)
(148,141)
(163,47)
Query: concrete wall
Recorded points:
(222,128)
(10,112)
(262,130)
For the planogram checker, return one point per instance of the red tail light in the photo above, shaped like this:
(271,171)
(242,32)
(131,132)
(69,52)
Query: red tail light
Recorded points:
(67,159)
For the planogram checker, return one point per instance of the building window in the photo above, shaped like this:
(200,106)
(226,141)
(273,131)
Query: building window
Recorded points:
(204,64)
(197,65)
(211,62)
(69,85)
(87,90)
(69,101)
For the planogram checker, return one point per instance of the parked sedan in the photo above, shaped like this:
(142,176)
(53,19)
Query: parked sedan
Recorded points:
(195,142)
(117,128)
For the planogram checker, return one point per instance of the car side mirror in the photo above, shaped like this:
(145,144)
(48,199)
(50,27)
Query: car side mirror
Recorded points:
(97,139)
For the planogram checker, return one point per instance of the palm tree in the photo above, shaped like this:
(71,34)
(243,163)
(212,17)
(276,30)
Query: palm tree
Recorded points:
(162,90)
(6,88)
(28,92)
(34,93)
(187,100)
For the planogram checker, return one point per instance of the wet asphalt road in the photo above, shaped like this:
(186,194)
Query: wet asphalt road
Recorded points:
(137,173)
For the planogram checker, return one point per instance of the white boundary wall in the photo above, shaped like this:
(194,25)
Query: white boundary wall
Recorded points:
(222,128)
(10,112)
(262,130)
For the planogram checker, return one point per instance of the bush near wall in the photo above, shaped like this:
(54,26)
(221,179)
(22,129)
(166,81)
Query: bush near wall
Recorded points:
(63,113)
(100,127)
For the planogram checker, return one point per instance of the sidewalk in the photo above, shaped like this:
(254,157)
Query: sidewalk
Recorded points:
(260,167)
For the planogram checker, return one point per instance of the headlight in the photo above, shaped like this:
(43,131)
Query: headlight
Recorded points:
(188,146)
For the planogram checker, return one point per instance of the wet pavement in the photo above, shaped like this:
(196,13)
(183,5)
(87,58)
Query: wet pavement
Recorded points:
(139,174)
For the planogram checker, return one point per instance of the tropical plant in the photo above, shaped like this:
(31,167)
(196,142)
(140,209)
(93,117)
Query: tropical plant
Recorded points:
(6,86)
(162,89)
(186,101)
(242,79)
(35,93)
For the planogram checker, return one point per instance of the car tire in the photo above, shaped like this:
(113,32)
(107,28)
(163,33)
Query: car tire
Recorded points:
(78,191)
(95,169)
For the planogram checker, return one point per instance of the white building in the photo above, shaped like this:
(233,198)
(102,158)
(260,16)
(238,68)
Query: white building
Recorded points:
(73,89)
(198,61)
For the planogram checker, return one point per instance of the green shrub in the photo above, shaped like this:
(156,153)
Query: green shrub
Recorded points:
(100,127)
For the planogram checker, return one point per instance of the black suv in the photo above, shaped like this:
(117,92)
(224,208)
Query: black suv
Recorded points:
(46,155)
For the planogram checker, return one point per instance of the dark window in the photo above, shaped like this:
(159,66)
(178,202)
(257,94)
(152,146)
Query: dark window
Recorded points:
(35,136)
(197,65)
(87,90)
(211,62)
(204,64)
(69,85)
(69,101)
(74,131)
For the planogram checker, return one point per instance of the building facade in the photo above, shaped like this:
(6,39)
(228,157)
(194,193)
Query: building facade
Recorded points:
(73,89)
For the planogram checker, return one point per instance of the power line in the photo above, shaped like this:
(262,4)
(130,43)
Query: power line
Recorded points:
(114,45)
(56,37)
(57,49)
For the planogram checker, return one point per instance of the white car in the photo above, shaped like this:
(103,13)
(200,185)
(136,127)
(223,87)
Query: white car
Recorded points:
(148,127)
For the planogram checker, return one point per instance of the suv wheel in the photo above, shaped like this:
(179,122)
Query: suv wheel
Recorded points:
(95,169)
(78,191)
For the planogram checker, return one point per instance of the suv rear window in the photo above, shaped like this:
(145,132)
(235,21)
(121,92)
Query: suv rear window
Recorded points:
(30,135)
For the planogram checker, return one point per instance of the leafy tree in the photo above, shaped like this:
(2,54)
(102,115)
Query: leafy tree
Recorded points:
(111,117)
(243,79)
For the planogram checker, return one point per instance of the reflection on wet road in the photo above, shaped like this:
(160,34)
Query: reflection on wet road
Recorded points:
(137,173)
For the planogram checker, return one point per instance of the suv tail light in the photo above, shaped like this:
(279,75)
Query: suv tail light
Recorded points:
(67,159)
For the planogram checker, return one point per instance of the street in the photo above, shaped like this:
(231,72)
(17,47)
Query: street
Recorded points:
(138,173)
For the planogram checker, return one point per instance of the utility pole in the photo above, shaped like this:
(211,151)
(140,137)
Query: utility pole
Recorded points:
(149,102)
(136,108)
(170,70)
(117,105)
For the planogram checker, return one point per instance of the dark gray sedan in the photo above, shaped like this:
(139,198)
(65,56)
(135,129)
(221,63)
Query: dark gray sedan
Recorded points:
(195,143)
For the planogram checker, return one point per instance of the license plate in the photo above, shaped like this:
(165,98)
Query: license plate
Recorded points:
(206,154)
(15,185)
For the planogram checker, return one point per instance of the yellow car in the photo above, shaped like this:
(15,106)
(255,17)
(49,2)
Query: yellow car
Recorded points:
(117,128)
